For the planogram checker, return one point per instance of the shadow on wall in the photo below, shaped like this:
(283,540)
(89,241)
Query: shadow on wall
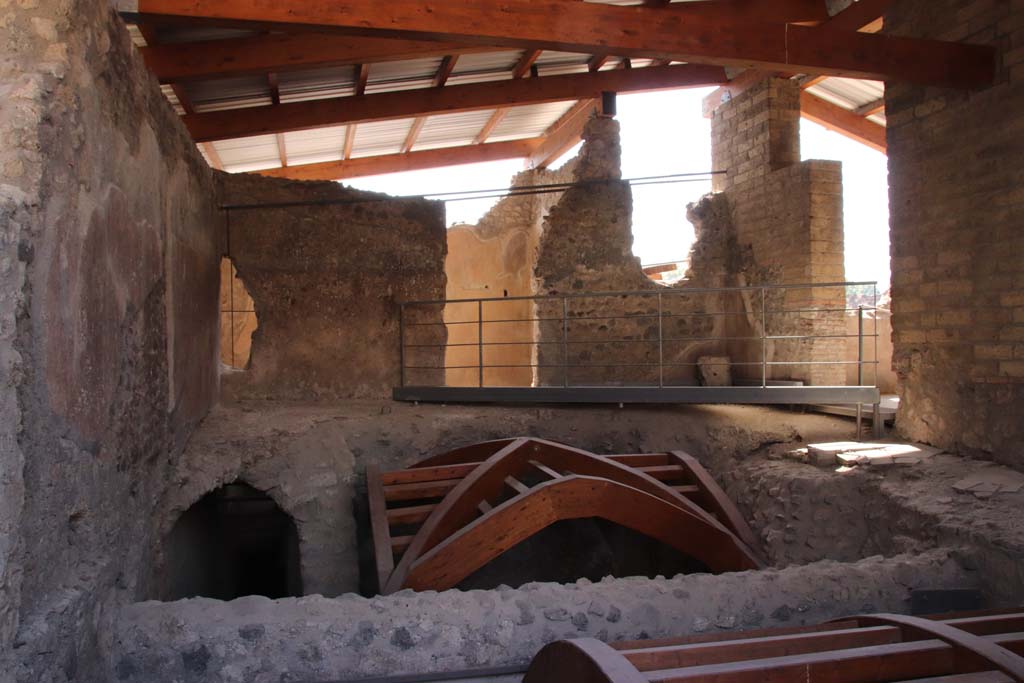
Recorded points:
(235,541)
(238,321)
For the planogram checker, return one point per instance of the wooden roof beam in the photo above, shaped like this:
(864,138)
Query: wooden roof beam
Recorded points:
(281,52)
(624,31)
(522,68)
(864,15)
(444,71)
(266,120)
(410,161)
(563,134)
(842,121)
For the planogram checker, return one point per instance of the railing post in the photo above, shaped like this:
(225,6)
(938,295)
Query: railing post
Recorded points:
(565,342)
(860,346)
(401,345)
(860,364)
(480,337)
(764,341)
(661,345)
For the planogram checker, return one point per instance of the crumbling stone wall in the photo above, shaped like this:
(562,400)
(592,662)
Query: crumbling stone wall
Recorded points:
(586,247)
(316,638)
(327,280)
(495,258)
(957,204)
(788,221)
(108,326)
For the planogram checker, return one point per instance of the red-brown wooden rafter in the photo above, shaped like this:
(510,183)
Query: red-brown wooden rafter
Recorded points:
(979,648)
(452,513)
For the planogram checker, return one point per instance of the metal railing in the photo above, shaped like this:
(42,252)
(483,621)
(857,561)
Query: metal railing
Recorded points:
(624,346)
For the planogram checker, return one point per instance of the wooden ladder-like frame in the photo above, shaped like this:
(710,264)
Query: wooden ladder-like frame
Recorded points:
(440,520)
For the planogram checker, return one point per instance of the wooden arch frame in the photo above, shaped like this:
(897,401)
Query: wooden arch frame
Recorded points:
(472,524)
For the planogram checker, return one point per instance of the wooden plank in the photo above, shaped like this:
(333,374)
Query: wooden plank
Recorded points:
(438,473)
(714,499)
(444,71)
(545,470)
(664,472)
(699,654)
(581,660)
(571,497)
(564,134)
(474,452)
(641,459)
(516,485)
(724,636)
(418,490)
(624,31)
(842,121)
(265,120)
(380,532)
(399,544)
(719,547)
(900,661)
(522,68)
(871,108)
(970,648)
(411,161)
(414,514)
(688,490)
(282,52)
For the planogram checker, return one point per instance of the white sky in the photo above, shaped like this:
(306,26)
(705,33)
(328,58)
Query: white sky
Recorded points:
(665,133)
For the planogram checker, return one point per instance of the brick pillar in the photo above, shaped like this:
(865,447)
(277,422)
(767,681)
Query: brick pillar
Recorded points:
(756,133)
(957,206)
(788,217)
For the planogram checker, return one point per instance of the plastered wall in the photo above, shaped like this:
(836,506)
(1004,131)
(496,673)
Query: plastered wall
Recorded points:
(108,326)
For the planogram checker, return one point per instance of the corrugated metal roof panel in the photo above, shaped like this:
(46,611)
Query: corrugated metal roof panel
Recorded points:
(229,93)
(494,62)
(529,121)
(168,92)
(405,75)
(183,33)
(849,93)
(316,84)
(248,154)
(448,130)
(380,137)
(318,141)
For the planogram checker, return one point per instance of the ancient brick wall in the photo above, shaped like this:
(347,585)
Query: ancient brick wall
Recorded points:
(327,280)
(957,205)
(109,249)
(788,221)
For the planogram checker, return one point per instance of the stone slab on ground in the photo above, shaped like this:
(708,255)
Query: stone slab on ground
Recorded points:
(317,638)
(853,453)
(991,480)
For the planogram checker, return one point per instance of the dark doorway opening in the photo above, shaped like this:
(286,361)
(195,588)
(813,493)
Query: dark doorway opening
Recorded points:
(235,541)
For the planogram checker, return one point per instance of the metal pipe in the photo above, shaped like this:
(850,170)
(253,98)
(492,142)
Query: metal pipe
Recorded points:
(764,341)
(860,363)
(480,338)
(565,342)
(401,344)
(680,291)
(661,346)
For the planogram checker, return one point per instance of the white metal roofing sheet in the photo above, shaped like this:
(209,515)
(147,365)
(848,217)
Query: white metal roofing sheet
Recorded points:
(317,141)
(528,121)
(316,84)
(448,130)
(380,137)
(248,154)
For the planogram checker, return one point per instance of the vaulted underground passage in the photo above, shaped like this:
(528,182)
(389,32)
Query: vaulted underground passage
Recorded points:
(233,542)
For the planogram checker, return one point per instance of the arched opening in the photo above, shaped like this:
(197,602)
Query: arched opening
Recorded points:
(234,541)
(237,318)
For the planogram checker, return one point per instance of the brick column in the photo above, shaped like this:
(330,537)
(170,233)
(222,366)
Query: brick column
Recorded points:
(956,177)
